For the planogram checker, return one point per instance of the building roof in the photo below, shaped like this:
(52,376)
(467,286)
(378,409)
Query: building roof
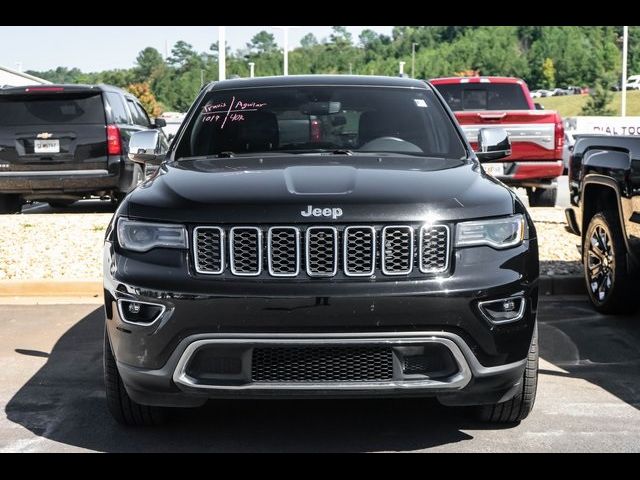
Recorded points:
(24,75)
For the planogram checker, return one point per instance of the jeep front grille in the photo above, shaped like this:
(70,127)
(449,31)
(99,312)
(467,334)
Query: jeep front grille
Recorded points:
(323,251)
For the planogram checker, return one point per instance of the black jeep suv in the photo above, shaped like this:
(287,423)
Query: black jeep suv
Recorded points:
(320,236)
(60,143)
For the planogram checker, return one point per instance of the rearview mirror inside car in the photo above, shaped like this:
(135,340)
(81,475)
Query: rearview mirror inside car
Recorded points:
(321,108)
(493,144)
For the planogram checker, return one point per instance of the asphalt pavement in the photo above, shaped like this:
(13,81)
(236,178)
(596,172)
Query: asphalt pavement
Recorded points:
(52,399)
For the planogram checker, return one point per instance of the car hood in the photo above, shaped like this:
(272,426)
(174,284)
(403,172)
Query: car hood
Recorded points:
(279,189)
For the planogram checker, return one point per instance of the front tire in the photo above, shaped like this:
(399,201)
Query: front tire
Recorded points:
(10,204)
(520,406)
(122,407)
(609,283)
(542,197)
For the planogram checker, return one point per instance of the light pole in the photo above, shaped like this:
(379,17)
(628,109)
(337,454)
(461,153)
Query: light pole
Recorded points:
(222,54)
(251,69)
(625,48)
(285,31)
(413,60)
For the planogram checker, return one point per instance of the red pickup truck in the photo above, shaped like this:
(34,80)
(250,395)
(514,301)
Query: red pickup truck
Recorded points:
(537,135)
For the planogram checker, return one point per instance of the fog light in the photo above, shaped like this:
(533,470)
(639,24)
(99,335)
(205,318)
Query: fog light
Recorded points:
(139,313)
(504,310)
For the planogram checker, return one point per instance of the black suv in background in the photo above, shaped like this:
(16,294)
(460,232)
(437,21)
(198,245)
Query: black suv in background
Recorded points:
(60,143)
(320,236)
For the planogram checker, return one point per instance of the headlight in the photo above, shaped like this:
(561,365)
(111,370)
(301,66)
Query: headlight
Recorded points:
(143,236)
(497,233)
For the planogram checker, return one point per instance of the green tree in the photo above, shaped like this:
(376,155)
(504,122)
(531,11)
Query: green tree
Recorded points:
(262,42)
(549,73)
(148,63)
(598,102)
(308,41)
(341,37)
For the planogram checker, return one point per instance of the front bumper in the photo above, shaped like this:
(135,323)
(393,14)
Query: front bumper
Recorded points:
(224,314)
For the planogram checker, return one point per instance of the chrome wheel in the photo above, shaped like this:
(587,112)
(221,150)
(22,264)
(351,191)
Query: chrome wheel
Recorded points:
(600,263)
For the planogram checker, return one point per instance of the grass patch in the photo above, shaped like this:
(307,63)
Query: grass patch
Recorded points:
(571,105)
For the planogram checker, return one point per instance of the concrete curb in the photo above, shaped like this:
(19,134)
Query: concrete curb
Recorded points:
(562,285)
(549,285)
(50,288)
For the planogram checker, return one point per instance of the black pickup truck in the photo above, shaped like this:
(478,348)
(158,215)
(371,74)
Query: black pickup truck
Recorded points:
(61,143)
(320,236)
(604,184)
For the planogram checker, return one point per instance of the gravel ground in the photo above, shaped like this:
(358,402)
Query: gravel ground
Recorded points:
(58,246)
(69,246)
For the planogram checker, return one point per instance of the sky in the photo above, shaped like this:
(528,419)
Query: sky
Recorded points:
(103,47)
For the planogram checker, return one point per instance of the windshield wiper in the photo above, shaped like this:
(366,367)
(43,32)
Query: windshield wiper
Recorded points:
(342,151)
(226,154)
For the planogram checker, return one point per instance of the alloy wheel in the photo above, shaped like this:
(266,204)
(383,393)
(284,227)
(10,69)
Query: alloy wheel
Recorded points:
(600,263)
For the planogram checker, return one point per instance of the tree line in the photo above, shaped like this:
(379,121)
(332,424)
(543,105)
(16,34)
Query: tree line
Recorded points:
(544,56)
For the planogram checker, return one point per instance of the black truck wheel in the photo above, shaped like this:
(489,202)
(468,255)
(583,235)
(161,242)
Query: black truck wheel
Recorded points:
(609,283)
(121,406)
(519,407)
(10,204)
(542,197)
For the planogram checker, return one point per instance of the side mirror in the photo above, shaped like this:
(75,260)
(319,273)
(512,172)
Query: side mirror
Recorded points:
(159,122)
(538,106)
(493,144)
(147,146)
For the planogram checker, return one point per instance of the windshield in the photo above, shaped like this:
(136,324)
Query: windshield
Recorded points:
(484,96)
(308,119)
(22,110)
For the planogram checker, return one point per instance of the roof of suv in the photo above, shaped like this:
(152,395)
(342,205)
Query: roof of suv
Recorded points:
(60,87)
(297,80)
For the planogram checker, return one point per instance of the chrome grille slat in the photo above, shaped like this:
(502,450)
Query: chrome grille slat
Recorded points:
(397,250)
(434,248)
(359,251)
(283,251)
(321,251)
(245,251)
(208,250)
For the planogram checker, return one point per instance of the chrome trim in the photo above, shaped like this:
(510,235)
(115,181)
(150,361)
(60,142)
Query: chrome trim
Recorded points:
(53,172)
(232,254)
(335,251)
(269,251)
(456,381)
(520,315)
(124,320)
(542,134)
(383,248)
(222,251)
(421,253)
(373,251)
